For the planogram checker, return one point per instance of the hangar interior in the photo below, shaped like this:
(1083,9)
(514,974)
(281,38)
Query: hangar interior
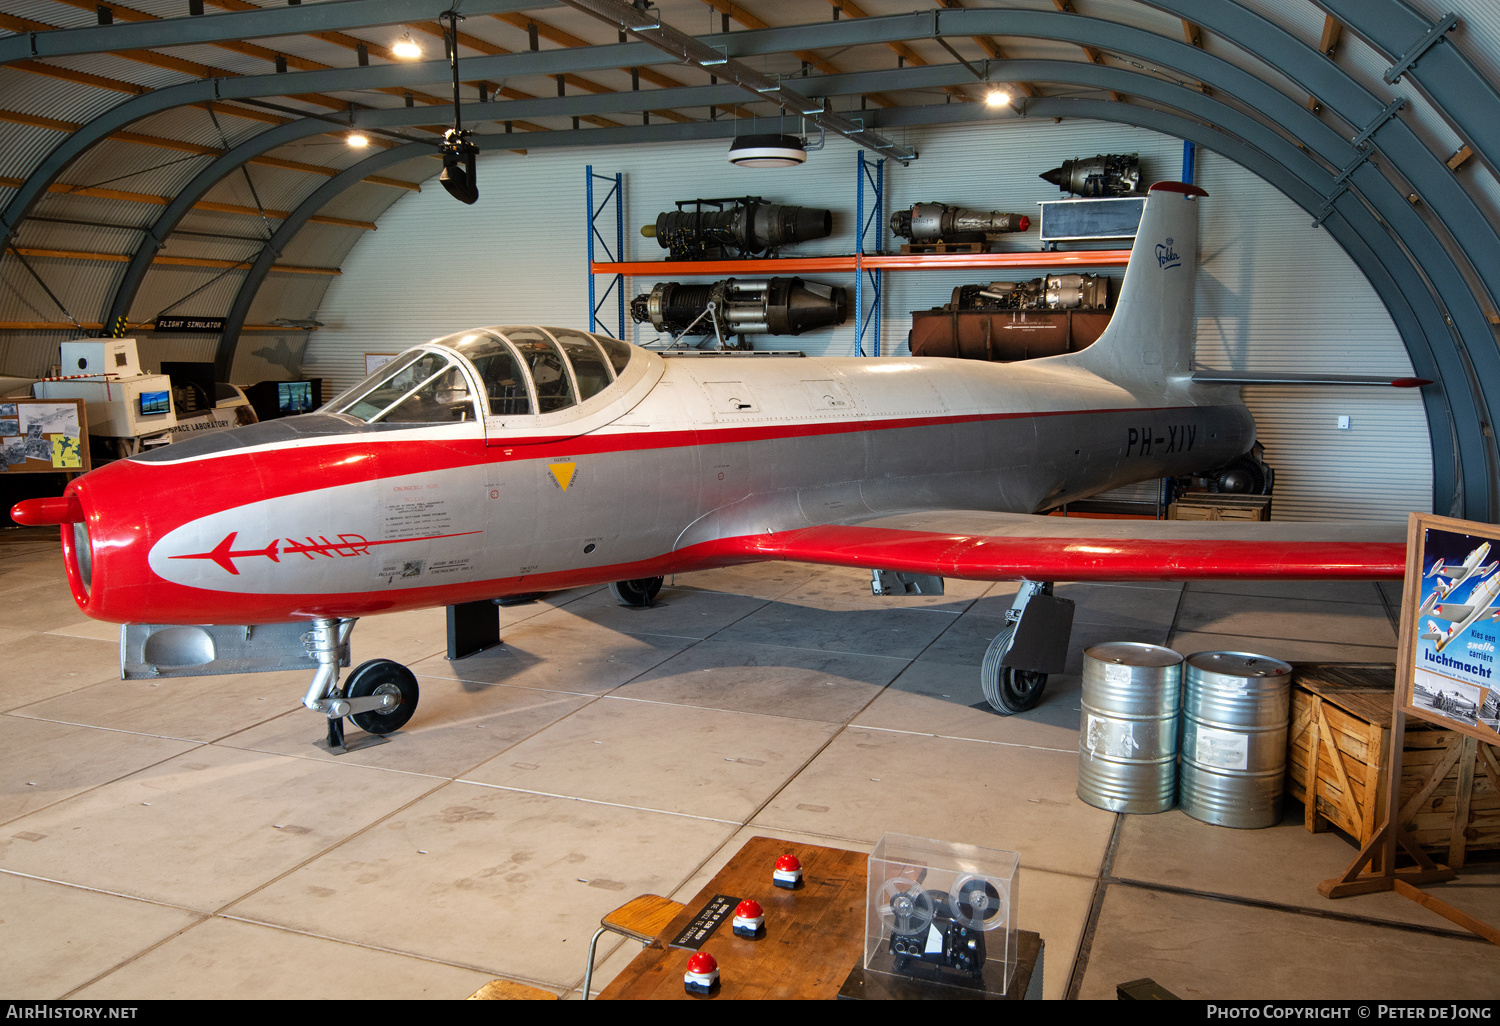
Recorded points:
(184,838)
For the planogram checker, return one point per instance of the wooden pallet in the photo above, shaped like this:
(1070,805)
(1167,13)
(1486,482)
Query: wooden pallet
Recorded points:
(1219,506)
(1337,753)
(908,248)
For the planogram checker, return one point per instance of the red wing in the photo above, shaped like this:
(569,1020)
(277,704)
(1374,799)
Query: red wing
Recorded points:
(1015,546)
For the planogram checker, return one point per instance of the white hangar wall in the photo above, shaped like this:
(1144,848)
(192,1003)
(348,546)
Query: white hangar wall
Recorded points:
(1274,293)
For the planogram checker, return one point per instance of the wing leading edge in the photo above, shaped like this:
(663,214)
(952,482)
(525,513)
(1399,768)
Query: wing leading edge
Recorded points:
(1014,546)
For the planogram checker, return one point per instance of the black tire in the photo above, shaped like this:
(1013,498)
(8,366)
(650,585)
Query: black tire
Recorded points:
(638,593)
(379,677)
(1007,689)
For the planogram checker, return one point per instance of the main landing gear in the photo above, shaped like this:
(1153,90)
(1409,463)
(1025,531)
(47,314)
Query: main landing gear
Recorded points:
(381,694)
(639,593)
(1033,644)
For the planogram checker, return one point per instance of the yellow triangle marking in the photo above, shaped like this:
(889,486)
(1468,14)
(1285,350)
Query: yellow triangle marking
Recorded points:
(562,473)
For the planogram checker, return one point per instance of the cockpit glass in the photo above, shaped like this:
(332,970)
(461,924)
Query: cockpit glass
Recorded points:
(502,374)
(344,402)
(401,376)
(589,367)
(442,399)
(554,388)
(617,351)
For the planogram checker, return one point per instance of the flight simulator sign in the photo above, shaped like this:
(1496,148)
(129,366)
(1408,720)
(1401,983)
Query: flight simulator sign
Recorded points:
(197,325)
(1450,625)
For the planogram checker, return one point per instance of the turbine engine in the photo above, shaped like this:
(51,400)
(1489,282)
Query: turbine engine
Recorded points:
(1054,292)
(762,306)
(1106,174)
(751,227)
(938,222)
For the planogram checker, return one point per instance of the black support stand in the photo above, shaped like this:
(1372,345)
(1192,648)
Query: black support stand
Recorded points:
(472,627)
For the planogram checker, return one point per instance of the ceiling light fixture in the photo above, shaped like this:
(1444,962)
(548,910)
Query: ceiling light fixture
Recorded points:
(406,46)
(358,140)
(767,151)
(997,98)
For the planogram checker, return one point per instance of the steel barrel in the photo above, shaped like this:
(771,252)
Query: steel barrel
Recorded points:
(1234,722)
(1127,740)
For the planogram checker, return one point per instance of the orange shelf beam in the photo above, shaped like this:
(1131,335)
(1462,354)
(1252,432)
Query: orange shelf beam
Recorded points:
(891,262)
(997,261)
(663,268)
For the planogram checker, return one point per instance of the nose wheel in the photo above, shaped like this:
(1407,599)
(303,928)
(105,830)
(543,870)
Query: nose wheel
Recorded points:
(381,694)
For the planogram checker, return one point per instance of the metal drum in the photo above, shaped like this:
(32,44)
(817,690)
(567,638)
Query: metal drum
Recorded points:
(1234,721)
(1127,741)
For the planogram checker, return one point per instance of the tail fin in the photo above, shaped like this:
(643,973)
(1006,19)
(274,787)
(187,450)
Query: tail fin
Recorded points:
(1150,337)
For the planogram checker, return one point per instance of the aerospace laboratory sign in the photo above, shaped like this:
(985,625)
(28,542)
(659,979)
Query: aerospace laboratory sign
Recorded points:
(1452,625)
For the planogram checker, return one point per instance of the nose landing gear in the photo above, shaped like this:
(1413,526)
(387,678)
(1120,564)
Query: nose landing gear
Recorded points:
(381,695)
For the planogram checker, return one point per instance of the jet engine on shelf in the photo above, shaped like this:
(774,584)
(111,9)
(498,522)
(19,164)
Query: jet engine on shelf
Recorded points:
(1053,292)
(938,222)
(1106,174)
(749,228)
(759,306)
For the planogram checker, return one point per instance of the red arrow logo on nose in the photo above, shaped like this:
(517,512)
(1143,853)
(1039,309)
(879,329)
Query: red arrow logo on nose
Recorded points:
(224,555)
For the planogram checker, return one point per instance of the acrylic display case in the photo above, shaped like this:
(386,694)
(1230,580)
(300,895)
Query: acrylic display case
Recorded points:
(942,912)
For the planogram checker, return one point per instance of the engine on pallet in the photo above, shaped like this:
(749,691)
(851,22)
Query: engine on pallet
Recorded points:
(762,306)
(938,222)
(1105,174)
(747,227)
(1015,320)
(1053,292)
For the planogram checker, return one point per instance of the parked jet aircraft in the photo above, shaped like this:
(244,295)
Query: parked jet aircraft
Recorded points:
(513,460)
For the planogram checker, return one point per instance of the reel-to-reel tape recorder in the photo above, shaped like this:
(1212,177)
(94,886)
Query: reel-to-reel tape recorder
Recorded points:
(944,929)
(942,914)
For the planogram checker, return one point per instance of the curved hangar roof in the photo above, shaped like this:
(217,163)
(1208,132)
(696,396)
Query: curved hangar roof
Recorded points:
(191,156)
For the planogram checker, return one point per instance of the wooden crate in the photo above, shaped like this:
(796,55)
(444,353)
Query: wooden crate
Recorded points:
(1219,506)
(1337,749)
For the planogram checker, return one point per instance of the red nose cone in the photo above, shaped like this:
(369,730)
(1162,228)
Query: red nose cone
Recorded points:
(41,512)
(749,909)
(788,862)
(702,962)
(1025,222)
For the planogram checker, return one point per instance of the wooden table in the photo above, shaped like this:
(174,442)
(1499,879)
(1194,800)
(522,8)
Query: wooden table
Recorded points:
(814,934)
(814,939)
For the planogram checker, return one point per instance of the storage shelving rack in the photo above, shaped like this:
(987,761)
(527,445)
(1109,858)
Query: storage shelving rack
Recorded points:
(860,263)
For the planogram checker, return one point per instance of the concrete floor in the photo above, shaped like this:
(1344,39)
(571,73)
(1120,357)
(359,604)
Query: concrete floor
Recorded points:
(186,839)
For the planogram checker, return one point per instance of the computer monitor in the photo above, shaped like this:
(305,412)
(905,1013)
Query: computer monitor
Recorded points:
(293,397)
(155,402)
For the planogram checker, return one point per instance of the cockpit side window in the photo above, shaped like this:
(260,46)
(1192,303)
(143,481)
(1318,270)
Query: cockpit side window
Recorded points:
(549,371)
(589,367)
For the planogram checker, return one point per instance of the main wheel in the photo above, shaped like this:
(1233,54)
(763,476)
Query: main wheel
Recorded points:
(1007,689)
(383,677)
(638,592)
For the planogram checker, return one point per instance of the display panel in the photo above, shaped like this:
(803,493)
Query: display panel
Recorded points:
(294,396)
(155,402)
(1450,625)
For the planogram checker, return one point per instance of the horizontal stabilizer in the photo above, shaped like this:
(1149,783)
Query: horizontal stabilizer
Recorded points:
(1204,376)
